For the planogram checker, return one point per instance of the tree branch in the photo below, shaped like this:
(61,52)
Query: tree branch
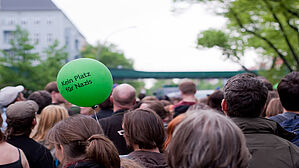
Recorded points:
(290,11)
(291,26)
(283,32)
(264,39)
(273,62)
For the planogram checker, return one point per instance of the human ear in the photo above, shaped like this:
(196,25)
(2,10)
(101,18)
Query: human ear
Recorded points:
(224,106)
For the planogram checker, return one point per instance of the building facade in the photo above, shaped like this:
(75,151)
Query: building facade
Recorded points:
(44,22)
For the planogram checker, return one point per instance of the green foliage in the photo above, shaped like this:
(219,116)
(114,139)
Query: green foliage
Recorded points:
(55,59)
(137,84)
(108,55)
(17,64)
(204,84)
(112,58)
(21,65)
(268,26)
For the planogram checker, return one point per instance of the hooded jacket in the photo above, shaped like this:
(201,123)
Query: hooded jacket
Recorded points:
(268,143)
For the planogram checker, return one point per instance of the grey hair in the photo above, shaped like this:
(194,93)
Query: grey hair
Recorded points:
(207,139)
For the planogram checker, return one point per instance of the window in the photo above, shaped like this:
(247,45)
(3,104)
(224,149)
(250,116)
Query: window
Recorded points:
(49,37)
(37,21)
(9,53)
(24,21)
(7,36)
(36,38)
(77,44)
(11,21)
(49,20)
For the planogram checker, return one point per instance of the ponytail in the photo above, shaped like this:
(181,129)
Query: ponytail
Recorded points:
(102,150)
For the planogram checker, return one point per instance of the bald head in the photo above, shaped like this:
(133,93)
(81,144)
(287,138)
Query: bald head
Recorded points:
(124,96)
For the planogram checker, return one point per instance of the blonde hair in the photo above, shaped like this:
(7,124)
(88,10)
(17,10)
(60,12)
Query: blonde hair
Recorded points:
(274,107)
(49,116)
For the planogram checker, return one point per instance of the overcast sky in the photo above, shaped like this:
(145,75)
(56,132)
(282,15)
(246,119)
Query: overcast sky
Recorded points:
(150,33)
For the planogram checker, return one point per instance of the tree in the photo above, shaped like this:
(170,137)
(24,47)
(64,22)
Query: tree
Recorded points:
(55,59)
(18,63)
(268,26)
(112,57)
(108,55)
(21,65)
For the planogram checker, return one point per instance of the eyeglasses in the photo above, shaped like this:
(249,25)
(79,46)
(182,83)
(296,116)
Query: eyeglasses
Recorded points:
(121,132)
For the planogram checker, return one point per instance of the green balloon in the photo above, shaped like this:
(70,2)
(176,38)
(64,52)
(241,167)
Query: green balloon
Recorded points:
(84,82)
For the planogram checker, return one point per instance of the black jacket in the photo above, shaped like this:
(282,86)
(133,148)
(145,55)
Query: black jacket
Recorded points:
(268,144)
(84,164)
(111,127)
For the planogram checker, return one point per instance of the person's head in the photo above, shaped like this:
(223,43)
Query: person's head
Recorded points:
(11,94)
(156,106)
(274,107)
(198,107)
(2,136)
(207,139)
(107,104)
(187,87)
(171,127)
(42,98)
(244,96)
(81,137)
(123,96)
(141,96)
(215,99)
(143,129)
(288,90)
(57,98)
(150,98)
(203,100)
(271,95)
(266,82)
(21,118)
(50,115)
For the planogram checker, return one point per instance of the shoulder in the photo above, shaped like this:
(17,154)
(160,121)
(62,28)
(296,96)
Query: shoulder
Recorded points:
(278,118)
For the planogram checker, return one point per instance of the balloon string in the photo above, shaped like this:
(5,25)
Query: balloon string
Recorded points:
(95,113)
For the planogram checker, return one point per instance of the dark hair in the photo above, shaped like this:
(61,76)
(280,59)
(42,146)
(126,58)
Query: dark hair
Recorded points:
(82,138)
(215,99)
(187,87)
(107,104)
(245,96)
(288,90)
(266,82)
(206,139)
(42,98)
(144,128)
(157,107)
(141,96)
(17,126)
(2,136)
(52,86)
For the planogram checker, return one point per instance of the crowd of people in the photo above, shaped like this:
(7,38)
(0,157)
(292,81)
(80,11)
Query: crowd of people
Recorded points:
(246,124)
